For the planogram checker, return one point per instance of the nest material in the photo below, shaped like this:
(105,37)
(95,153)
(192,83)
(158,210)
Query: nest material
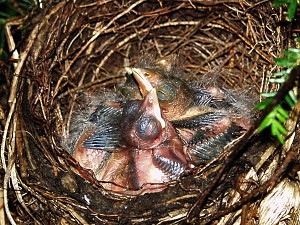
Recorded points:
(77,47)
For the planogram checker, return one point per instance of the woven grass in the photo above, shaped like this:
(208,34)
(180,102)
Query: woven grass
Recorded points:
(73,48)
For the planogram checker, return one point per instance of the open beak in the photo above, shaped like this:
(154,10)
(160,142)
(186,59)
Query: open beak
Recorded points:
(149,93)
(151,104)
(138,74)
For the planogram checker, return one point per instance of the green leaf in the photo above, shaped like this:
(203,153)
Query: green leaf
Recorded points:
(279,2)
(280,73)
(273,113)
(295,50)
(265,123)
(291,54)
(262,105)
(293,96)
(284,62)
(280,138)
(4,15)
(274,129)
(277,130)
(281,118)
(289,101)
(292,6)
(277,80)
(269,95)
(280,128)
(282,111)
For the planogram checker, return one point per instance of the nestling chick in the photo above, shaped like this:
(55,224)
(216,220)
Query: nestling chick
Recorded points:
(166,126)
(132,147)
(206,118)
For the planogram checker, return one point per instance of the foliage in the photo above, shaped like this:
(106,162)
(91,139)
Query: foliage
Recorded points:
(292,6)
(278,116)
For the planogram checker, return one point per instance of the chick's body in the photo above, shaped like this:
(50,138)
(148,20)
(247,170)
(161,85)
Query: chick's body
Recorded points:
(165,127)
(205,116)
(133,149)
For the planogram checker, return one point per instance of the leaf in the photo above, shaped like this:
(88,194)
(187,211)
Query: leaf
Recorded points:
(279,127)
(279,2)
(295,50)
(289,101)
(277,130)
(282,111)
(4,15)
(264,124)
(264,104)
(269,95)
(293,96)
(274,129)
(2,21)
(291,54)
(280,138)
(281,118)
(280,73)
(277,80)
(284,62)
(292,9)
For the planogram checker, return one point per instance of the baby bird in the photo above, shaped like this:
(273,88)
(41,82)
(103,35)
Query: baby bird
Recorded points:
(167,126)
(132,148)
(206,119)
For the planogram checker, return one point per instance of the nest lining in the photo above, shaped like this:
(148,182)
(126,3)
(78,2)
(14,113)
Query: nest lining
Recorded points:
(75,48)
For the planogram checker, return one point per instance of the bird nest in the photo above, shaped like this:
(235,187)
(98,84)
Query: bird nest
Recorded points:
(75,48)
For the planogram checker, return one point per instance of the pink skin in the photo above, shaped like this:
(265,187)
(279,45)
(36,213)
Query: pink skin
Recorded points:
(88,158)
(133,168)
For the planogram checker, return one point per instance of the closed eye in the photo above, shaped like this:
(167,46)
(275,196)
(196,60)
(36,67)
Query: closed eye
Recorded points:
(148,128)
(166,93)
